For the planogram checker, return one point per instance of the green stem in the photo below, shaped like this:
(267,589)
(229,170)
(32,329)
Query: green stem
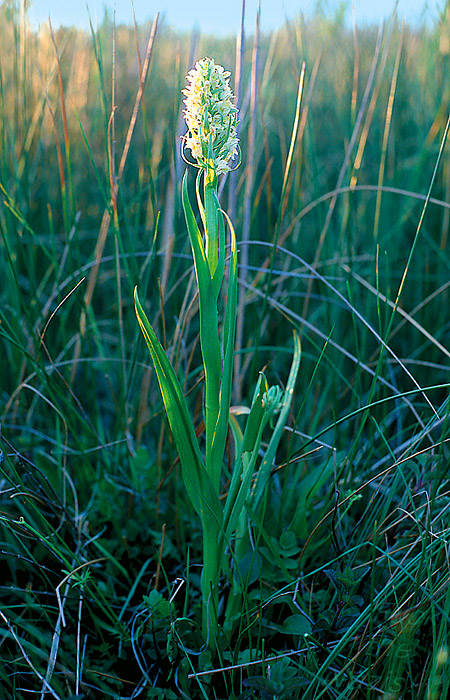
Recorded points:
(210,580)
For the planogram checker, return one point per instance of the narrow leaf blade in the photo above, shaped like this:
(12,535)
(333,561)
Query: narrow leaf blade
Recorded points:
(197,482)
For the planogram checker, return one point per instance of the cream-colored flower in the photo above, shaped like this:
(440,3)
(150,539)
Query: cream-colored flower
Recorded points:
(211,116)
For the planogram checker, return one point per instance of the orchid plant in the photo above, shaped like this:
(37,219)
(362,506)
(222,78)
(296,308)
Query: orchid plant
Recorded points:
(212,118)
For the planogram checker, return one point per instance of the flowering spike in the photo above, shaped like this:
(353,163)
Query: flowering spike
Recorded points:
(211,117)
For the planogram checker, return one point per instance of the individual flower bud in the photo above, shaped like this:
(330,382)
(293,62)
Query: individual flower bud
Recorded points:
(272,401)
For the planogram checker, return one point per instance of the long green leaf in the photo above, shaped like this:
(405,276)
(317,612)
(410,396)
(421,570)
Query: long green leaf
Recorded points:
(256,415)
(245,460)
(215,238)
(229,331)
(209,334)
(266,464)
(196,479)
